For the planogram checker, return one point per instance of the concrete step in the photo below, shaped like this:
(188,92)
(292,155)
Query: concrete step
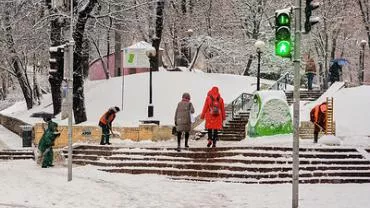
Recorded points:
(214,153)
(234,148)
(247,161)
(278,181)
(247,164)
(212,166)
(17,154)
(233,175)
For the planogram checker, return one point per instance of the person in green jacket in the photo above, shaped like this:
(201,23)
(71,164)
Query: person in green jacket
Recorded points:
(47,142)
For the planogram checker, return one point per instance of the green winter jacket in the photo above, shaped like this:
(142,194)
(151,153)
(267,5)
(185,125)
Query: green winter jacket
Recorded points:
(49,136)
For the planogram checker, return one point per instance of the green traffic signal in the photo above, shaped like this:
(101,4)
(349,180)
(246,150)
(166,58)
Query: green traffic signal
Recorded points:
(283,41)
(283,20)
(283,48)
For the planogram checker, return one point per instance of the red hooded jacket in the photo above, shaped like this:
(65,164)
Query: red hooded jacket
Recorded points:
(212,121)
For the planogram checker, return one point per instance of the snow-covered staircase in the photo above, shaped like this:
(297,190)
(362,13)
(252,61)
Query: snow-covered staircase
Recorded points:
(305,95)
(262,164)
(9,154)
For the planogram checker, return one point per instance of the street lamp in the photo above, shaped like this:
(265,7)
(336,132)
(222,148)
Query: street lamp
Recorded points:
(362,61)
(259,45)
(189,33)
(151,55)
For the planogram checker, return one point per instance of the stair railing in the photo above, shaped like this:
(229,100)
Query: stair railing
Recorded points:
(241,103)
(281,83)
(244,101)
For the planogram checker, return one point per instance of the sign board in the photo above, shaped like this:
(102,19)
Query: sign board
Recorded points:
(86,132)
(135,58)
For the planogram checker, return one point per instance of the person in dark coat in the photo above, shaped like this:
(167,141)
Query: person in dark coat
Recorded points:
(105,123)
(214,114)
(183,119)
(318,118)
(46,144)
(335,72)
(310,71)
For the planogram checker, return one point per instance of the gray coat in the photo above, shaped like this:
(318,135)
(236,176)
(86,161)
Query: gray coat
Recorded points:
(182,116)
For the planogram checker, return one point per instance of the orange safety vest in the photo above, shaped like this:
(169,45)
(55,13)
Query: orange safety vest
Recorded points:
(105,119)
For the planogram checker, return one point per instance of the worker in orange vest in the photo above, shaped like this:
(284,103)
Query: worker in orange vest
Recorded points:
(105,123)
(318,118)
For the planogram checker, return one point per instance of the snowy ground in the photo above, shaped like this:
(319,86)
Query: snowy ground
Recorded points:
(91,188)
(25,184)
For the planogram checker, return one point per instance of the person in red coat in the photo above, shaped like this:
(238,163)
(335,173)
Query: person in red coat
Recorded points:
(214,114)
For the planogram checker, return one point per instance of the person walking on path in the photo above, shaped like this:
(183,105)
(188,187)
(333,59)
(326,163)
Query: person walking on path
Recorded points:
(310,71)
(318,118)
(335,72)
(105,123)
(183,119)
(46,144)
(214,114)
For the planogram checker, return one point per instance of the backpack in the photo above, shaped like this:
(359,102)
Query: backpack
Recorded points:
(215,106)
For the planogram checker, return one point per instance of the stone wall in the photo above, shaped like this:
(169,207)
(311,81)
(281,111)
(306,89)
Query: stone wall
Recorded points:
(306,130)
(13,124)
(92,134)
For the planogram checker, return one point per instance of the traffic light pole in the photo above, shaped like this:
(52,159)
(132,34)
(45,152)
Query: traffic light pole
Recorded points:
(70,93)
(296,95)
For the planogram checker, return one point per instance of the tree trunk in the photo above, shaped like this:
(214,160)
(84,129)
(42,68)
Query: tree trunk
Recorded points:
(156,41)
(102,61)
(208,19)
(117,46)
(56,71)
(247,68)
(79,109)
(85,58)
(15,60)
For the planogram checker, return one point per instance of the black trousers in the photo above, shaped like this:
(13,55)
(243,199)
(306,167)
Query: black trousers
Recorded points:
(179,134)
(316,133)
(213,135)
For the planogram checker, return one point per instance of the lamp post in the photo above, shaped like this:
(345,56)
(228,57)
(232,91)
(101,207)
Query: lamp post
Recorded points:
(260,45)
(151,55)
(362,61)
(189,33)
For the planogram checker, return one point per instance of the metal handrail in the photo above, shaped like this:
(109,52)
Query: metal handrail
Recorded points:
(244,101)
(281,83)
(241,103)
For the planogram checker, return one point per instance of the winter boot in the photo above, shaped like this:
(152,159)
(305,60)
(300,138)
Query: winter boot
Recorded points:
(315,137)
(102,141)
(209,143)
(178,141)
(186,141)
(108,143)
(214,143)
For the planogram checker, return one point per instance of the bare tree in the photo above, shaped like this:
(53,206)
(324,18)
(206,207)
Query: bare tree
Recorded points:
(79,109)
(365,14)
(14,61)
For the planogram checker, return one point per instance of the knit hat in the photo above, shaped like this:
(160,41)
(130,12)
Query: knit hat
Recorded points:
(186,96)
(116,109)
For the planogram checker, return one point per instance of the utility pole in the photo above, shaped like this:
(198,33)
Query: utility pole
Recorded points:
(296,95)
(70,92)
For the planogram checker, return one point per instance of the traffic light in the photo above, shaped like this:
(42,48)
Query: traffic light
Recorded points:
(283,41)
(56,59)
(310,6)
